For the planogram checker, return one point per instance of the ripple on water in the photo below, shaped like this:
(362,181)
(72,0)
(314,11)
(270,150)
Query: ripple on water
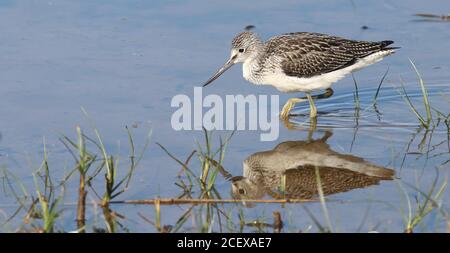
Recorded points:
(389,111)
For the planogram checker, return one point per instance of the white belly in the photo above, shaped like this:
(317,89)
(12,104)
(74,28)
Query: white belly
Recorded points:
(286,83)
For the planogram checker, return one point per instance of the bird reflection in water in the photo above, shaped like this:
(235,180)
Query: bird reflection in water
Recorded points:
(292,164)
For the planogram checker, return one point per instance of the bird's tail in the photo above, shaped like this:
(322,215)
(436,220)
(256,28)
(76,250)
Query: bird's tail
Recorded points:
(385,43)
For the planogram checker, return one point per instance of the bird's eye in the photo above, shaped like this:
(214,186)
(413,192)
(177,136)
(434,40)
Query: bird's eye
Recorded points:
(241,191)
(241,50)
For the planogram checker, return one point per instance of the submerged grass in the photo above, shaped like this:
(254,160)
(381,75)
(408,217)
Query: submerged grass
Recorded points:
(322,200)
(356,95)
(91,158)
(202,183)
(201,202)
(375,97)
(205,206)
(428,119)
(425,203)
(48,203)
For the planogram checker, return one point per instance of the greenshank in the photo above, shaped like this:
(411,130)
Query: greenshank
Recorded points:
(301,62)
(293,164)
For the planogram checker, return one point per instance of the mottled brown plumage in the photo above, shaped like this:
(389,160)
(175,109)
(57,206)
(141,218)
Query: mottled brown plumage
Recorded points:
(301,182)
(301,62)
(308,54)
(296,162)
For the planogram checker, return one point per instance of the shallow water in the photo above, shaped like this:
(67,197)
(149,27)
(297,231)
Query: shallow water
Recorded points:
(123,61)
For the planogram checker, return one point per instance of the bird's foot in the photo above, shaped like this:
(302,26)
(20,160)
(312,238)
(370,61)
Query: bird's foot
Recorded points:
(284,114)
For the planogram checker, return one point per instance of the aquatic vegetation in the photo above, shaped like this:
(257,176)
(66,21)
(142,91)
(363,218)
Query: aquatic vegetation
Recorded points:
(425,203)
(90,159)
(426,122)
(204,206)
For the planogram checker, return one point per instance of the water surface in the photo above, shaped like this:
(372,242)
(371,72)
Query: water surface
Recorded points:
(123,61)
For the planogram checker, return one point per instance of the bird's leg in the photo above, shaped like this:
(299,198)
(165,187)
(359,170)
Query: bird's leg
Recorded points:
(312,106)
(289,105)
(312,128)
(328,93)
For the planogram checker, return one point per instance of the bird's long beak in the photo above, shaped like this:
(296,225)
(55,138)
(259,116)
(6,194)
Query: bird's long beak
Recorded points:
(219,72)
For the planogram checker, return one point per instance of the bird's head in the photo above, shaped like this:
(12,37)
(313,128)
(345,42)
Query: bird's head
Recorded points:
(243,47)
(243,188)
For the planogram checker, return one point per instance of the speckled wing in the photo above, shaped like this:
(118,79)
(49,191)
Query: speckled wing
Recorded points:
(301,182)
(310,54)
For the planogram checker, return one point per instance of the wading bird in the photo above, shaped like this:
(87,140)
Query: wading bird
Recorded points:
(301,62)
(296,165)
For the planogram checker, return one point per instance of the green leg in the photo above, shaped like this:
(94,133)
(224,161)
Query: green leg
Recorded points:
(291,103)
(288,106)
(312,106)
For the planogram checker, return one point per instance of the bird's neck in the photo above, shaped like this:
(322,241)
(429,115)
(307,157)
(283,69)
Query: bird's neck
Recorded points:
(251,68)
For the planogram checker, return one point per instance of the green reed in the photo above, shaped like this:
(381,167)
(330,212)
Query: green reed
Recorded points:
(426,120)
(202,181)
(425,202)
(91,158)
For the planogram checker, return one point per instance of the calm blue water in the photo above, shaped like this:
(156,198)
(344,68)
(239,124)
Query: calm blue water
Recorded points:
(123,61)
